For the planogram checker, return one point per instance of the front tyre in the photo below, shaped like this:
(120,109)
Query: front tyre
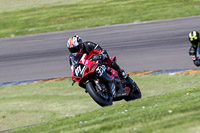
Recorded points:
(98,98)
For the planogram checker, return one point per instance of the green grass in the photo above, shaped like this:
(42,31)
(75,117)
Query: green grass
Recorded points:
(12,5)
(170,113)
(59,107)
(20,18)
(35,103)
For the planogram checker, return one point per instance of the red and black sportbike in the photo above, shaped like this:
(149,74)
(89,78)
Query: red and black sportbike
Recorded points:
(102,82)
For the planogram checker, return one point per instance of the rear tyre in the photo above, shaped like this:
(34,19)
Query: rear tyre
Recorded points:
(135,93)
(98,98)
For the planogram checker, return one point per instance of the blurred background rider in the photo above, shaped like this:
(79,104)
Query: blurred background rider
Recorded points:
(195,41)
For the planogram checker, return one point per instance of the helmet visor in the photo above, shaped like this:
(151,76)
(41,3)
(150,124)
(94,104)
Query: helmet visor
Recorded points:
(74,49)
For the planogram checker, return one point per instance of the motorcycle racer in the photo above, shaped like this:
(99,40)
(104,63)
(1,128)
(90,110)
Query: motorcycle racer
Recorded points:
(194,38)
(76,47)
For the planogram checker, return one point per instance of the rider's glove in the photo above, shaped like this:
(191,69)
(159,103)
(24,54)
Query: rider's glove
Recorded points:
(99,57)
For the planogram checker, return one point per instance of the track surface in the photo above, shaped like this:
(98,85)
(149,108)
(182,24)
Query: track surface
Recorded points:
(153,45)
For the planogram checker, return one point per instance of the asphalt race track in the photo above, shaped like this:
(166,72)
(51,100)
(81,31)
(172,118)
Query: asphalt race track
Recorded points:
(153,45)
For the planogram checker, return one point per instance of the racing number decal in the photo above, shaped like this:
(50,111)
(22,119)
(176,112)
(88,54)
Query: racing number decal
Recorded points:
(100,70)
(78,71)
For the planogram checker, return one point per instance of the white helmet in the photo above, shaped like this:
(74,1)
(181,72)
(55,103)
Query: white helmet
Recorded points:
(73,44)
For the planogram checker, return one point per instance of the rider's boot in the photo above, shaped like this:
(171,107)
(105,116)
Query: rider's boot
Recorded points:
(121,72)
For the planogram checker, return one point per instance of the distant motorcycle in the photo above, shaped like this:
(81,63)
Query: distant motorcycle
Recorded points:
(197,58)
(102,82)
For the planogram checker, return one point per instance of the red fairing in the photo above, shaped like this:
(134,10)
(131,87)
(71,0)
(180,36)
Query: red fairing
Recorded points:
(90,65)
(93,52)
(87,66)
(102,82)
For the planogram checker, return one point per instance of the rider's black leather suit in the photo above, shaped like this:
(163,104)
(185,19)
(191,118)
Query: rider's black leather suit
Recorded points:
(192,53)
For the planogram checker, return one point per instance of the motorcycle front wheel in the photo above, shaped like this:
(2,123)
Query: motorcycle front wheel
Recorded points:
(101,99)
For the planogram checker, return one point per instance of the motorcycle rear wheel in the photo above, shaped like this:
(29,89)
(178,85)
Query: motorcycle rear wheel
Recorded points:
(90,88)
(135,93)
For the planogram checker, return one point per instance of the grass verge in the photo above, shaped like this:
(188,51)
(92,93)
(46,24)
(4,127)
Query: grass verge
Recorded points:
(167,106)
(64,15)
